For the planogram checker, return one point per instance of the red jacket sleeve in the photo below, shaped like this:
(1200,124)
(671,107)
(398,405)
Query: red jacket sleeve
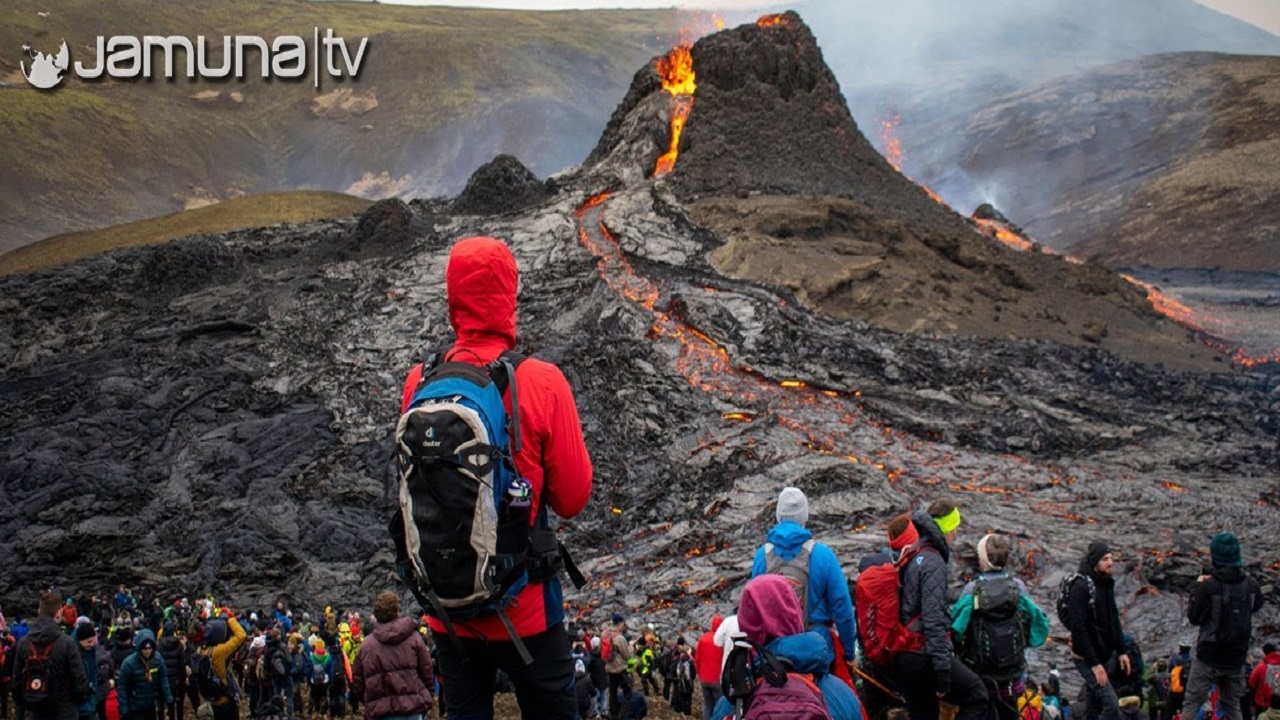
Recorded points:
(567,479)
(410,384)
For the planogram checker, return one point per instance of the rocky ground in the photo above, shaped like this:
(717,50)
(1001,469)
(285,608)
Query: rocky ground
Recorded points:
(214,414)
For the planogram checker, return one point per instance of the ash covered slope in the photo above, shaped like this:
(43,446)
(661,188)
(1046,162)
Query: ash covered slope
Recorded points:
(843,230)
(1169,161)
(215,414)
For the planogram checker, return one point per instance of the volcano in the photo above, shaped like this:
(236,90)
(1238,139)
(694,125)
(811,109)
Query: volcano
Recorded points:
(214,415)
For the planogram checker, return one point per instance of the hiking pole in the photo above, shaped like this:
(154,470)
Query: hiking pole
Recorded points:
(877,683)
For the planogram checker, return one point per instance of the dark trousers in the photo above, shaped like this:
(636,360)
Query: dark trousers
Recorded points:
(229,710)
(146,712)
(618,702)
(710,696)
(918,683)
(1004,697)
(1102,700)
(544,689)
(193,694)
(170,711)
(649,684)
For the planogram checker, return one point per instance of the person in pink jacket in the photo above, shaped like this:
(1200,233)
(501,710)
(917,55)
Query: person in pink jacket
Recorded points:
(392,672)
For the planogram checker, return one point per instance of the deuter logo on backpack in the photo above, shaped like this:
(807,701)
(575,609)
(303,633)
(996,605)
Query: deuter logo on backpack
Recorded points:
(459,492)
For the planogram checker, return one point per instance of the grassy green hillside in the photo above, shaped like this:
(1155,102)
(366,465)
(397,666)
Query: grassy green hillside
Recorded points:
(236,214)
(442,90)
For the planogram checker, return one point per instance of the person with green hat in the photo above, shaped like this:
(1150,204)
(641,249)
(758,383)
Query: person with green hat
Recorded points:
(934,673)
(1222,606)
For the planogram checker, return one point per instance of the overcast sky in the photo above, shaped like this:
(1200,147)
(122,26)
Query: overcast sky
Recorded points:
(1263,13)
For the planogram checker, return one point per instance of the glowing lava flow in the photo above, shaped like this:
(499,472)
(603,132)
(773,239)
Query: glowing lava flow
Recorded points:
(676,71)
(826,421)
(889,138)
(1207,325)
(893,152)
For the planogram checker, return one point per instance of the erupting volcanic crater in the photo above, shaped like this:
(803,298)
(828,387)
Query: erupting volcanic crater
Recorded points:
(761,301)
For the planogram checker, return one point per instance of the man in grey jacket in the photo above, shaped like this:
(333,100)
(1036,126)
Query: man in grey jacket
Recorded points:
(934,674)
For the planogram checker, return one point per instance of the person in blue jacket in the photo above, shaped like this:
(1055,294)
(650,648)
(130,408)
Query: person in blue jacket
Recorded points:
(142,682)
(792,552)
(769,614)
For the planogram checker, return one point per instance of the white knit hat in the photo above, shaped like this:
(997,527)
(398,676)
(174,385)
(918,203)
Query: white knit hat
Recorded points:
(793,506)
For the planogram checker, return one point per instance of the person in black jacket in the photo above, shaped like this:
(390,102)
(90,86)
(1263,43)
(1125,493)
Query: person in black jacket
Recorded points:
(173,649)
(1097,640)
(933,674)
(64,676)
(1222,606)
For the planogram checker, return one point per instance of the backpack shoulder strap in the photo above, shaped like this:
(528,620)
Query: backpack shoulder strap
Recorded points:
(503,373)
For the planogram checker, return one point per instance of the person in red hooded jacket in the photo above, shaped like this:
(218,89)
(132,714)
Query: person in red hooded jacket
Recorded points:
(706,657)
(1262,695)
(481,281)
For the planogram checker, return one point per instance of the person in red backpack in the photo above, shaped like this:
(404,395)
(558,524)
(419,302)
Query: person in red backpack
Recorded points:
(926,676)
(48,675)
(481,282)
(1262,692)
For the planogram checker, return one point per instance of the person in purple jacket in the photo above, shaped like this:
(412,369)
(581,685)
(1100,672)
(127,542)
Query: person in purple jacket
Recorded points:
(392,671)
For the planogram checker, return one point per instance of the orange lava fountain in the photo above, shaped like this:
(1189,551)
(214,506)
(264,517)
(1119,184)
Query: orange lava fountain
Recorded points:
(676,70)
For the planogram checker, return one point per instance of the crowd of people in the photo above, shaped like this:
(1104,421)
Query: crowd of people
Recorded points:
(111,658)
(482,466)
(147,665)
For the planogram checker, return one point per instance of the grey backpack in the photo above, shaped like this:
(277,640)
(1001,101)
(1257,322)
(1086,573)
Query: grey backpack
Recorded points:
(795,570)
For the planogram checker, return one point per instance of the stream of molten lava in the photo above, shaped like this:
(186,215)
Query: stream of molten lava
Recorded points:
(793,404)
(676,70)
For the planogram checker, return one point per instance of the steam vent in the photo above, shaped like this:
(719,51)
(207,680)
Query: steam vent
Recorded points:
(771,304)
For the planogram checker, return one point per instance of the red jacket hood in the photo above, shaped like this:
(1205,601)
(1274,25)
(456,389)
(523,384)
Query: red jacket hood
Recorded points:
(1272,658)
(716,622)
(481,282)
(769,610)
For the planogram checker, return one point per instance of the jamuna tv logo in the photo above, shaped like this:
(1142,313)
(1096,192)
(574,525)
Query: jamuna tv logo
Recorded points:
(126,57)
(46,70)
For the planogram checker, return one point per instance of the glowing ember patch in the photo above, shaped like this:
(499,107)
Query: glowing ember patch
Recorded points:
(791,384)
(889,138)
(615,510)
(1173,486)
(771,21)
(738,416)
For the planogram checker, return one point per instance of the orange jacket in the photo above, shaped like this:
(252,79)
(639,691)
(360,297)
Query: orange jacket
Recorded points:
(481,282)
